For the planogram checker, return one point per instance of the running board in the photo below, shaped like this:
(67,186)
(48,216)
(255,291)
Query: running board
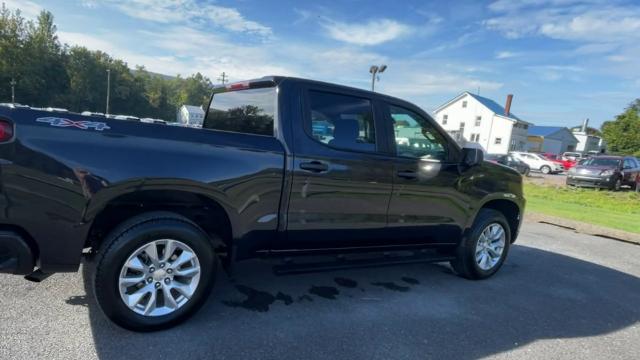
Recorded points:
(342,263)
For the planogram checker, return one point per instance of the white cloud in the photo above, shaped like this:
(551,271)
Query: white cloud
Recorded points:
(28,8)
(557,72)
(373,32)
(507,54)
(212,54)
(575,20)
(616,24)
(189,11)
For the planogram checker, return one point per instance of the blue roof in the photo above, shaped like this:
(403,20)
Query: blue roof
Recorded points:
(544,130)
(492,105)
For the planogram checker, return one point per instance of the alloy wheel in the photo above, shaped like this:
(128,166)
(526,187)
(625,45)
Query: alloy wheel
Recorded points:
(490,246)
(159,277)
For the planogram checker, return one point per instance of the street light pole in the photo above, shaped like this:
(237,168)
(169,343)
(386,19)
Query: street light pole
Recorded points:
(13,90)
(375,70)
(108,89)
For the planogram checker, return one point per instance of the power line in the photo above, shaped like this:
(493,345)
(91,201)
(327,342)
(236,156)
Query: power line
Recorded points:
(223,78)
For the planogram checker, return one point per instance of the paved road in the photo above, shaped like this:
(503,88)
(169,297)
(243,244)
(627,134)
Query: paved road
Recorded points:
(561,295)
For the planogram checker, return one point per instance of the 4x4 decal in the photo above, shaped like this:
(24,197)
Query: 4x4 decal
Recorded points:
(81,124)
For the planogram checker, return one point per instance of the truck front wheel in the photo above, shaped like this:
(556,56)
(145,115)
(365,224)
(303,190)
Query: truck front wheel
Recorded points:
(483,251)
(154,271)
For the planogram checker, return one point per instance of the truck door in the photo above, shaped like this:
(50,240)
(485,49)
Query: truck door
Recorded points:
(426,205)
(341,180)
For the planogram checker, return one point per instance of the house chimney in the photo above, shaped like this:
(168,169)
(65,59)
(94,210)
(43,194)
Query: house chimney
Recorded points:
(507,107)
(585,124)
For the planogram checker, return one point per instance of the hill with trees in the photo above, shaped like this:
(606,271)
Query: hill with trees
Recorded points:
(48,73)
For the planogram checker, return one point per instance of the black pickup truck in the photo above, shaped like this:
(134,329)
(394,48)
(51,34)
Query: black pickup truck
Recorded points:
(282,167)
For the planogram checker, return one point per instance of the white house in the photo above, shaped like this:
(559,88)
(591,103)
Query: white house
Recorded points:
(476,119)
(587,142)
(551,139)
(190,115)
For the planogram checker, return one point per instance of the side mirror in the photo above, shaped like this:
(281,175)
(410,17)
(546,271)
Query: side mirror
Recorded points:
(472,157)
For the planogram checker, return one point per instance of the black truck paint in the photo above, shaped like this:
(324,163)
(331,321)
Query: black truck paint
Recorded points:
(64,187)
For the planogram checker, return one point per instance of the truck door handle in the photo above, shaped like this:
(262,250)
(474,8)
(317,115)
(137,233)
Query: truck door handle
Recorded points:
(314,166)
(408,174)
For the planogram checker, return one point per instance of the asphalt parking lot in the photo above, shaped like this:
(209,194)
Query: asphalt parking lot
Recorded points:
(560,295)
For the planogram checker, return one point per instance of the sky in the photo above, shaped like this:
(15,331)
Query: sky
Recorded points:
(564,60)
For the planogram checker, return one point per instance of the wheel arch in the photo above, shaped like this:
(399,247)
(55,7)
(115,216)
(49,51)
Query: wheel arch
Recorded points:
(208,213)
(511,211)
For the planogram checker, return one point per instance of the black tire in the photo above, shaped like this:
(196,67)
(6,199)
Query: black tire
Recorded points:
(131,235)
(545,169)
(617,185)
(465,263)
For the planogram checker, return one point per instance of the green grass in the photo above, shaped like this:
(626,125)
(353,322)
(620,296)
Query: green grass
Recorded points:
(618,210)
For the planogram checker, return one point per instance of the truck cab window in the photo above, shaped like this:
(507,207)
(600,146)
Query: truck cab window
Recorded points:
(342,121)
(250,111)
(415,137)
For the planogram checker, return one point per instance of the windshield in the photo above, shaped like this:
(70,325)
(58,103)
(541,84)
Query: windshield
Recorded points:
(602,162)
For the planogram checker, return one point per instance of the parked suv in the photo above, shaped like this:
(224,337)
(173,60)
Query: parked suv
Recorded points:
(282,167)
(611,172)
(538,162)
(510,161)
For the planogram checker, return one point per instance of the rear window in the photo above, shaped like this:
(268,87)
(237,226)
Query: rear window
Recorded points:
(250,111)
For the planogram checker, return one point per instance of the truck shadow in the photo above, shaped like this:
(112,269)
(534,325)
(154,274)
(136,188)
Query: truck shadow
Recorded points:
(412,311)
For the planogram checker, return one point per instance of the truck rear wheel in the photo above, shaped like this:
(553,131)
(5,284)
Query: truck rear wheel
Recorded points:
(483,251)
(153,271)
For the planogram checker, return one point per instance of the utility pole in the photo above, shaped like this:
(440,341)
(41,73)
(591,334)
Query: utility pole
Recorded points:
(223,78)
(13,90)
(375,70)
(108,89)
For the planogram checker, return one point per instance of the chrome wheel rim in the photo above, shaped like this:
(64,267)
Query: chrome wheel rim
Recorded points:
(490,246)
(159,277)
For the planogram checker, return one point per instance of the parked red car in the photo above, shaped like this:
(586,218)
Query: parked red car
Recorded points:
(567,164)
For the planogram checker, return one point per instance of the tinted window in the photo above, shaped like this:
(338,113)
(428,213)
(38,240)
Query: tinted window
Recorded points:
(629,163)
(601,162)
(415,136)
(342,121)
(247,111)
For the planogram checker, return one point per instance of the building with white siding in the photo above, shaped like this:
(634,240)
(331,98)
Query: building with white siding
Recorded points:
(476,119)
(190,115)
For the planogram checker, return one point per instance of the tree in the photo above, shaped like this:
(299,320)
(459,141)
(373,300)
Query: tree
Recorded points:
(13,31)
(623,133)
(49,73)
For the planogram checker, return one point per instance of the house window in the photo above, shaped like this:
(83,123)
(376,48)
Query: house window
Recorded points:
(445,118)
(513,144)
(462,124)
(498,141)
(464,104)
(475,137)
(478,120)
